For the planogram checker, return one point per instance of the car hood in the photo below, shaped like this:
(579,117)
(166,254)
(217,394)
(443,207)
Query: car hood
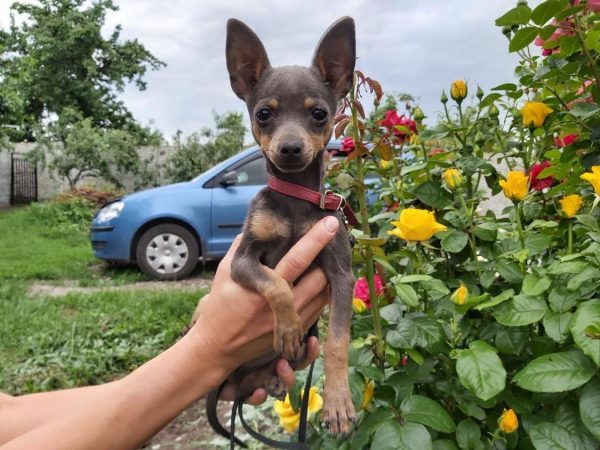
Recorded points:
(168,190)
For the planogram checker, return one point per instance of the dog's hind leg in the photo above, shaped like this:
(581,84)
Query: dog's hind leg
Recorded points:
(338,410)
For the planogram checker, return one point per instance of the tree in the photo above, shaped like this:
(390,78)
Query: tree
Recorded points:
(201,151)
(58,59)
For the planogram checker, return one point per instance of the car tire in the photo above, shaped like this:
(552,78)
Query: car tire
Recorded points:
(167,252)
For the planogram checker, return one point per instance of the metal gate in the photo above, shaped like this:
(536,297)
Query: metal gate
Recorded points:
(23,176)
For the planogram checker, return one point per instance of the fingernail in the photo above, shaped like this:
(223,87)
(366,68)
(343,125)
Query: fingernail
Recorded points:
(331,224)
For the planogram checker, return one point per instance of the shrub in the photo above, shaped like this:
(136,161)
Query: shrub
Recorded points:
(486,331)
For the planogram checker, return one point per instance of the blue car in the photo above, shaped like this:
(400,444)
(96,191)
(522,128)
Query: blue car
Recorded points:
(167,229)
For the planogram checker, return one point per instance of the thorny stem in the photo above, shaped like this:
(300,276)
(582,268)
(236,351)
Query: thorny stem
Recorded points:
(519,224)
(472,243)
(364,215)
(570,244)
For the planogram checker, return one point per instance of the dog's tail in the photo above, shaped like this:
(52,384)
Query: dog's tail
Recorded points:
(213,418)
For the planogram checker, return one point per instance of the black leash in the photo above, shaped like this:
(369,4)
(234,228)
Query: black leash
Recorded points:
(238,408)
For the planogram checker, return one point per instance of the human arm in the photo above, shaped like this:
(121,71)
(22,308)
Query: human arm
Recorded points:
(235,326)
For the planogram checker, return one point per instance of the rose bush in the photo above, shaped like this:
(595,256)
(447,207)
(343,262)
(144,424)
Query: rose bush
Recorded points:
(482,330)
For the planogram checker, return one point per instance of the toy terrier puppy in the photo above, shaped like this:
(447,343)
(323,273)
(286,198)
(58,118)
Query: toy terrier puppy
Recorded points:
(292,110)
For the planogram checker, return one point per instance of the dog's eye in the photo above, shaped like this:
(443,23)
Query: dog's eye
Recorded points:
(263,115)
(319,114)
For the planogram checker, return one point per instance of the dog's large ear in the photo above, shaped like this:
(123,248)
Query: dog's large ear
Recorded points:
(246,57)
(335,56)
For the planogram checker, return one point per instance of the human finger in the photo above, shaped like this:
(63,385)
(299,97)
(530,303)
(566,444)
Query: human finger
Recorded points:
(285,373)
(302,254)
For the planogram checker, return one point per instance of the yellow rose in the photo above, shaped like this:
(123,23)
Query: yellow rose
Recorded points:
(368,394)
(358,306)
(453,178)
(288,419)
(460,296)
(594,178)
(571,204)
(508,422)
(416,225)
(516,186)
(458,90)
(534,113)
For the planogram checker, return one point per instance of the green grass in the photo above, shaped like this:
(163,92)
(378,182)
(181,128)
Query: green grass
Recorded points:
(50,343)
(31,249)
(80,339)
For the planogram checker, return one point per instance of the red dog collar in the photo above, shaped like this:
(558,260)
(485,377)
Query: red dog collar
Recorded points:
(327,200)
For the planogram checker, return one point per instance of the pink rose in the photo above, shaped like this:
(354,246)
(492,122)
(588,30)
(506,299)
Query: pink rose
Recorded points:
(361,289)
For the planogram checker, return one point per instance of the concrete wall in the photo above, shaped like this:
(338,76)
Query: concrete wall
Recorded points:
(50,186)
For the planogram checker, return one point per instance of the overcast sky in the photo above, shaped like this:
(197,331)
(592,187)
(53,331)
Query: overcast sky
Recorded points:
(417,47)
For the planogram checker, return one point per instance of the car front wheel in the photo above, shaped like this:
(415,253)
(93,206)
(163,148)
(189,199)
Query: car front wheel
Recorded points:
(167,252)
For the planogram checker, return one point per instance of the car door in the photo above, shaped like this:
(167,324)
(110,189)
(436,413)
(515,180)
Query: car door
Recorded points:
(230,202)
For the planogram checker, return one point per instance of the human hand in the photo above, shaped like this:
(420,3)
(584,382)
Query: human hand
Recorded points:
(238,324)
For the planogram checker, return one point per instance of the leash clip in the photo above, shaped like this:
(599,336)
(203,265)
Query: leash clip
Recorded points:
(342,200)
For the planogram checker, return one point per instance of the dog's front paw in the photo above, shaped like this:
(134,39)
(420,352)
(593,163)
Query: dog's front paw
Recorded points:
(276,388)
(288,340)
(338,412)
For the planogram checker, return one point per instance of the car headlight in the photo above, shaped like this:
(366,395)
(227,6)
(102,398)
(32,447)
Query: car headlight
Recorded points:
(110,212)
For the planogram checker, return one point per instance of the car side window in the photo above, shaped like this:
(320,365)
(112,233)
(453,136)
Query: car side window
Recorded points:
(252,173)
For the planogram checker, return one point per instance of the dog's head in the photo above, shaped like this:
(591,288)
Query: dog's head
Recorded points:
(291,108)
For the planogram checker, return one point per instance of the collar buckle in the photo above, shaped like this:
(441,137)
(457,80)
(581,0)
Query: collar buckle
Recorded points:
(341,203)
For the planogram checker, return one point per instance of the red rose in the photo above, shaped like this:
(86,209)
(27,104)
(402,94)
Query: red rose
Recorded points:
(536,183)
(347,145)
(565,141)
(392,120)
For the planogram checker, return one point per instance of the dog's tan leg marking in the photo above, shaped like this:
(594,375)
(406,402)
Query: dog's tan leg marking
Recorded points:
(338,411)
(288,331)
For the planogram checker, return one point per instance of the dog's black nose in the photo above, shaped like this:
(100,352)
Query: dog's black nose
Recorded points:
(290,150)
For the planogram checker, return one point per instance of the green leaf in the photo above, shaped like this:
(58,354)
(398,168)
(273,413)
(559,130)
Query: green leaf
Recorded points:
(592,40)
(561,300)
(392,313)
(415,331)
(533,285)
(454,241)
(444,444)
(546,10)
(522,38)
(589,407)
(435,288)
(432,194)
(556,372)
(406,436)
(506,295)
(589,274)
(551,436)
(521,310)
(568,45)
(537,243)
(511,341)
(480,370)
(516,16)
(584,110)
(561,268)
(468,435)
(510,272)
(588,313)
(426,411)
(411,278)
(556,325)
(407,294)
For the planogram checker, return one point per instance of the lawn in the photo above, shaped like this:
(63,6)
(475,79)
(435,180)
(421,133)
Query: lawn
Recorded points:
(79,338)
